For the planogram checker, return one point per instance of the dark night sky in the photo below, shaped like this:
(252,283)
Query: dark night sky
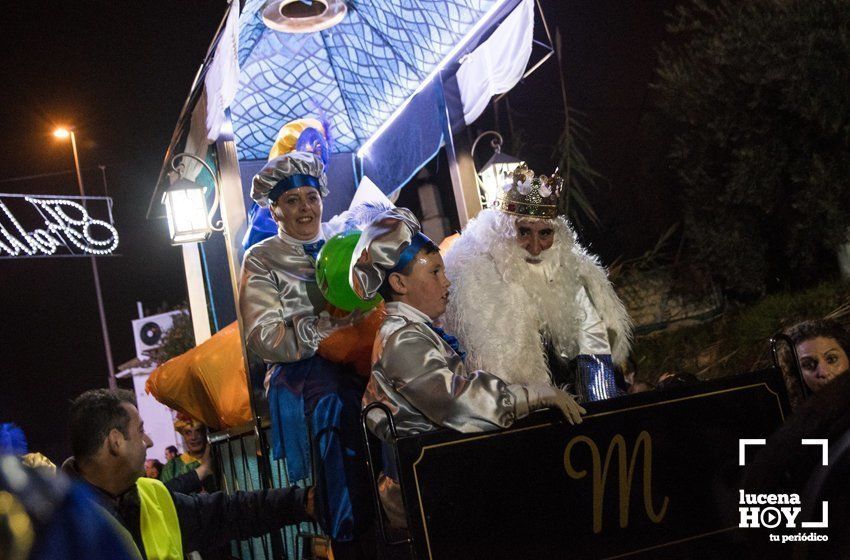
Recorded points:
(120,72)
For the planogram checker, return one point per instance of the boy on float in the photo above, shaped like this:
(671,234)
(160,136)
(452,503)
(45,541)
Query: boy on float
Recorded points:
(285,319)
(417,368)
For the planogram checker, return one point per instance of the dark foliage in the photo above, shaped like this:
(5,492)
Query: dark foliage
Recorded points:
(759,94)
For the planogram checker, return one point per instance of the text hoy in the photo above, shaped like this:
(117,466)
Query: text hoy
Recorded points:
(752,515)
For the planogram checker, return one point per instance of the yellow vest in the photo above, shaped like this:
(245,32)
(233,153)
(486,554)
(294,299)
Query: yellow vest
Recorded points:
(160,526)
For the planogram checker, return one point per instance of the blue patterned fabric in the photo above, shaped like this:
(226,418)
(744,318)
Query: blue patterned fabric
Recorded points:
(595,377)
(451,340)
(355,74)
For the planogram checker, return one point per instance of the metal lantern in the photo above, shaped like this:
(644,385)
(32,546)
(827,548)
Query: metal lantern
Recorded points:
(493,174)
(186,207)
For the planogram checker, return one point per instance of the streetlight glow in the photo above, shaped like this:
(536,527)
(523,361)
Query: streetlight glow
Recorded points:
(63,133)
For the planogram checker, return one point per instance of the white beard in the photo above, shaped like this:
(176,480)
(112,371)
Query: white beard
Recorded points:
(543,266)
(501,306)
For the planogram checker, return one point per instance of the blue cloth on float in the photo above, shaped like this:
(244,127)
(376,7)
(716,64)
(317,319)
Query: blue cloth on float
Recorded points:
(319,399)
(288,424)
(261,226)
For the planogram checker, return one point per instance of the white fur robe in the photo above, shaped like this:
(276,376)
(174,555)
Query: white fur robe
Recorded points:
(501,308)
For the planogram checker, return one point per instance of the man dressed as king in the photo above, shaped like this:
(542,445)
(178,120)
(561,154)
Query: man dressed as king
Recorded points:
(530,304)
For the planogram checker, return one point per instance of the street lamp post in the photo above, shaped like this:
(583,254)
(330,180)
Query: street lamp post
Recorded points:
(107,347)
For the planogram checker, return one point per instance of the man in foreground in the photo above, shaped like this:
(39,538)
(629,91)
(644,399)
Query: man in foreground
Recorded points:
(109,445)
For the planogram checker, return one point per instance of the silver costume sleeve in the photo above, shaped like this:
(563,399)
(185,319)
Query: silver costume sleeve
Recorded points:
(593,338)
(442,390)
(280,322)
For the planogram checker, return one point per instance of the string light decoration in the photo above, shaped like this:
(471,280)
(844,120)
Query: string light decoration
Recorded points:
(66,224)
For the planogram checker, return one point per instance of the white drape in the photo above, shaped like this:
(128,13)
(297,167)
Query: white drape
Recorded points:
(222,78)
(498,63)
(220,85)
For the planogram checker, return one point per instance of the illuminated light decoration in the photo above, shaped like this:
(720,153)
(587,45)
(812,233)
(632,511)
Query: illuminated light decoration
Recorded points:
(485,20)
(186,205)
(355,74)
(297,16)
(76,232)
(494,175)
(186,211)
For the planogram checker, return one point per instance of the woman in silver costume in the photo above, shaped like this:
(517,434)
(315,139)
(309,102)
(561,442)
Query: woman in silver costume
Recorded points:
(417,368)
(285,319)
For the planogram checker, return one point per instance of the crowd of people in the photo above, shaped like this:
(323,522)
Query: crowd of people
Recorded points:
(446,355)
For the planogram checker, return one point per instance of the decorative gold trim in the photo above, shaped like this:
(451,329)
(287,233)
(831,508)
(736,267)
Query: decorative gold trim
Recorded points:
(662,545)
(527,209)
(598,415)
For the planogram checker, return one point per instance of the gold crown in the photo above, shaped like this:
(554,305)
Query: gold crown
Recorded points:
(527,194)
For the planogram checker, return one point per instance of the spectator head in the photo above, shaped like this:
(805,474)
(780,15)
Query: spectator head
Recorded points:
(153,468)
(822,348)
(194,435)
(108,434)
(170,452)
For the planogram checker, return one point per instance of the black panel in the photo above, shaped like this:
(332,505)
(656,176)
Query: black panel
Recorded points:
(510,495)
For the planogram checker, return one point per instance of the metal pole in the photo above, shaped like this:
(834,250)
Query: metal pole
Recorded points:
(461,166)
(107,347)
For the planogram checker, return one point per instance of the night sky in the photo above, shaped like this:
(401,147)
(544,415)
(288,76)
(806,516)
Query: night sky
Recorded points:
(119,72)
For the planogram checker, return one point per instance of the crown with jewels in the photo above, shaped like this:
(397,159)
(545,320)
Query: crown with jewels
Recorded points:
(527,194)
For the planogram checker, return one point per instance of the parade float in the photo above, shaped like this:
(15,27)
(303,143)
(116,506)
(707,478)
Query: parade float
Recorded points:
(399,82)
